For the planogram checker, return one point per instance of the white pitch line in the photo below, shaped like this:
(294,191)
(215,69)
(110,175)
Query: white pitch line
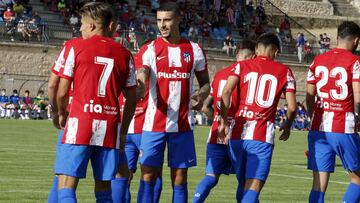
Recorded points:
(305,178)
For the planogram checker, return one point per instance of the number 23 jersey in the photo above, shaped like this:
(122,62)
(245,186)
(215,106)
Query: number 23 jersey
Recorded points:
(333,73)
(99,69)
(262,82)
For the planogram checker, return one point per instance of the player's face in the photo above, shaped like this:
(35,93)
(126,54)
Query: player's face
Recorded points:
(168,23)
(86,27)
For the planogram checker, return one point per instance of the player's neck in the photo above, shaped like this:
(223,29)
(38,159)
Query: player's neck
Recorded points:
(344,46)
(172,39)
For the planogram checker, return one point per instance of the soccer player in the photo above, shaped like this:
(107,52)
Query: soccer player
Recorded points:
(13,105)
(26,104)
(333,102)
(262,81)
(100,70)
(169,63)
(219,158)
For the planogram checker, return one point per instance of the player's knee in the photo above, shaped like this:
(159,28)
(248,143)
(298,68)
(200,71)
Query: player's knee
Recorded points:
(253,184)
(102,186)
(355,177)
(179,176)
(148,173)
(123,171)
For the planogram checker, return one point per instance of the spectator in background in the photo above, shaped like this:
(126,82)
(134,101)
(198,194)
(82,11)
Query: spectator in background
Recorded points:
(4,100)
(18,9)
(74,23)
(308,51)
(26,104)
(193,32)
(284,28)
(230,18)
(322,44)
(133,39)
(3,8)
(8,14)
(41,104)
(217,5)
(300,43)
(229,46)
(326,42)
(13,105)
(33,29)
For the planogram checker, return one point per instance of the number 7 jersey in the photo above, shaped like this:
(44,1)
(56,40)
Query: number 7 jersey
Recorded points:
(99,69)
(333,73)
(262,82)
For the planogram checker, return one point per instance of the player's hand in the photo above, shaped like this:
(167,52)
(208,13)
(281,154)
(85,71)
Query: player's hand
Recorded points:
(55,121)
(140,90)
(196,102)
(285,134)
(62,121)
(223,132)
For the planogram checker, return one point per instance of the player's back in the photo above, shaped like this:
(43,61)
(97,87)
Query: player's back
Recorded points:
(100,69)
(262,81)
(333,73)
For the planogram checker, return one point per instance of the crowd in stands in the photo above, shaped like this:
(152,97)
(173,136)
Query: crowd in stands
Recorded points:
(24,107)
(19,17)
(301,121)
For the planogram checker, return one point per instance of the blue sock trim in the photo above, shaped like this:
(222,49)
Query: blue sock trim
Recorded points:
(203,189)
(119,187)
(316,196)
(67,195)
(180,193)
(53,193)
(352,194)
(250,196)
(157,189)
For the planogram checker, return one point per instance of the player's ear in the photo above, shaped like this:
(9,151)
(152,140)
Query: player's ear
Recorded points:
(356,40)
(92,26)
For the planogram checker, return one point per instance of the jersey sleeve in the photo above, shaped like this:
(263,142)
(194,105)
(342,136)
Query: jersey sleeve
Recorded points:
(145,56)
(290,82)
(68,71)
(356,71)
(200,59)
(59,62)
(131,77)
(311,75)
(235,70)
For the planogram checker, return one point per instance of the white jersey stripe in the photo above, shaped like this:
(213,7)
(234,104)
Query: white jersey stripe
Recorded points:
(173,106)
(72,127)
(199,57)
(270,132)
(349,122)
(151,108)
(59,63)
(118,136)
(327,121)
(174,57)
(131,129)
(98,132)
(248,130)
(70,63)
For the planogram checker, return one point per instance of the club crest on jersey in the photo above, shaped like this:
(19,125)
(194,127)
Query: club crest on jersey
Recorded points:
(187,57)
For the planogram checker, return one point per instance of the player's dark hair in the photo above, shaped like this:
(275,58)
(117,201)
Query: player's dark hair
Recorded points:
(3,90)
(27,91)
(170,6)
(40,92)
(246,44)
(348,29)
(269,39)
(15,91)
(101,13)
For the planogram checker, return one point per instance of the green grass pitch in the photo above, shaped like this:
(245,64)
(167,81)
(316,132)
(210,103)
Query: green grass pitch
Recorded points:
(27,151)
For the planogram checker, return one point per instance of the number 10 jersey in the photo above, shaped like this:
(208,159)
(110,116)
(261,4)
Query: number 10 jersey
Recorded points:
(333,74)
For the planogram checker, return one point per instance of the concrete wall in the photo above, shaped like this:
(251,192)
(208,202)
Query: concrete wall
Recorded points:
(28,67)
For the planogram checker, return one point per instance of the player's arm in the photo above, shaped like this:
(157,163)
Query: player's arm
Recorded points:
(207,107)
(62,100)
(290,115)
(52,91)
(204,91)
(142,75)
(231,83)
(310,99)
(128,113)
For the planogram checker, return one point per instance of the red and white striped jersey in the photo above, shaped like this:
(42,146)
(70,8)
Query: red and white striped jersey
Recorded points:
(262,81)
(172,68)
(217,87)
(333,74)
(136,124)
(99,69)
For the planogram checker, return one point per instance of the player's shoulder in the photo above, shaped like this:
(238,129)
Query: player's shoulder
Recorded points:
(73,41)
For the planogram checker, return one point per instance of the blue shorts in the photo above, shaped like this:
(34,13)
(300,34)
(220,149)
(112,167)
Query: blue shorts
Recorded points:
(57,164)
(218,159)
(132,150)
(254,159)
(324,146)
(72,160)
(181,149)
(122,158)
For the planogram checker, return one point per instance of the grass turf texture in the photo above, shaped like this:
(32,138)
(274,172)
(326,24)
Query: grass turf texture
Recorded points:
(27,151)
